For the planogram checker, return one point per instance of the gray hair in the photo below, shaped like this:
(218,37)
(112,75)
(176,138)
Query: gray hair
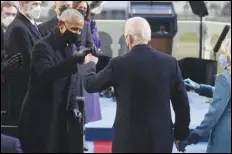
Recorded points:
(139,28)
(71,14)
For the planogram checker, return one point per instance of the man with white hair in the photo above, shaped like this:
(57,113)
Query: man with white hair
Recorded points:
(60,6)
(145,80)
(47,121)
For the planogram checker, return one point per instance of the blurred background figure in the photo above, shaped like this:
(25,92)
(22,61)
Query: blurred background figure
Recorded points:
(92,100)
(20,37)
(84,8)
(89,37)
(8,14)
(86,40)
(217,121)
(10,144)
(47,26)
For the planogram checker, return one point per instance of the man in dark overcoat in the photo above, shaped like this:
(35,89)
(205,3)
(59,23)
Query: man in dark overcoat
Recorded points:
(20,37)
(145,81)
(48,117)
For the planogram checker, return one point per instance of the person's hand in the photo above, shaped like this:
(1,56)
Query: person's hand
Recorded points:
(90,58)
(109,92)
(94,59)
(81,55)
(177,144)
(181,145)
(193,138)
(191,85)
(12,63)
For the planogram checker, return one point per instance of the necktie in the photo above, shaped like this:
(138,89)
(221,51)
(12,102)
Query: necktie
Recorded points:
(36,26)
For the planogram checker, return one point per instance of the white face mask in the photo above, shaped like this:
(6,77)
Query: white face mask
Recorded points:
(7,20)
(34,12)
(223,61)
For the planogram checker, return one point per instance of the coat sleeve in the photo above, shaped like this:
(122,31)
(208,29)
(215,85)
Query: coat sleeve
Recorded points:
(73,101)
(96,82)
(205,90)
(220,101)
(102,62)
(46,71)
(180,103)
(74,88)
(42,29)
(19,42)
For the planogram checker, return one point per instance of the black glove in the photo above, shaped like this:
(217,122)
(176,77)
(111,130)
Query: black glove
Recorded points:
(95,51)
(103,60)
(98,53)
(80,55)
(12,63)
(193,138)
(182,145)
(77,115)
(109,93)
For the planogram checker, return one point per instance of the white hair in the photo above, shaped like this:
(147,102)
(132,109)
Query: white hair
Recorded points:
(70,15)
(226,49)
(139,28)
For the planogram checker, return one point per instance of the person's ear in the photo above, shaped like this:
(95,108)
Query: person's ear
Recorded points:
(130,39)
(61,26)
(229,59)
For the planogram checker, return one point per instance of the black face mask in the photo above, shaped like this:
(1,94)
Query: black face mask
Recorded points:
(70,37)
(83,12)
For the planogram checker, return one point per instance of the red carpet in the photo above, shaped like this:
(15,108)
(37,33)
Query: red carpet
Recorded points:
(102,146)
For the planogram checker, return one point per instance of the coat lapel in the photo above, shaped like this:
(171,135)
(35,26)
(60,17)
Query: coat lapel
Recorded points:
(32,28)
(35,31)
